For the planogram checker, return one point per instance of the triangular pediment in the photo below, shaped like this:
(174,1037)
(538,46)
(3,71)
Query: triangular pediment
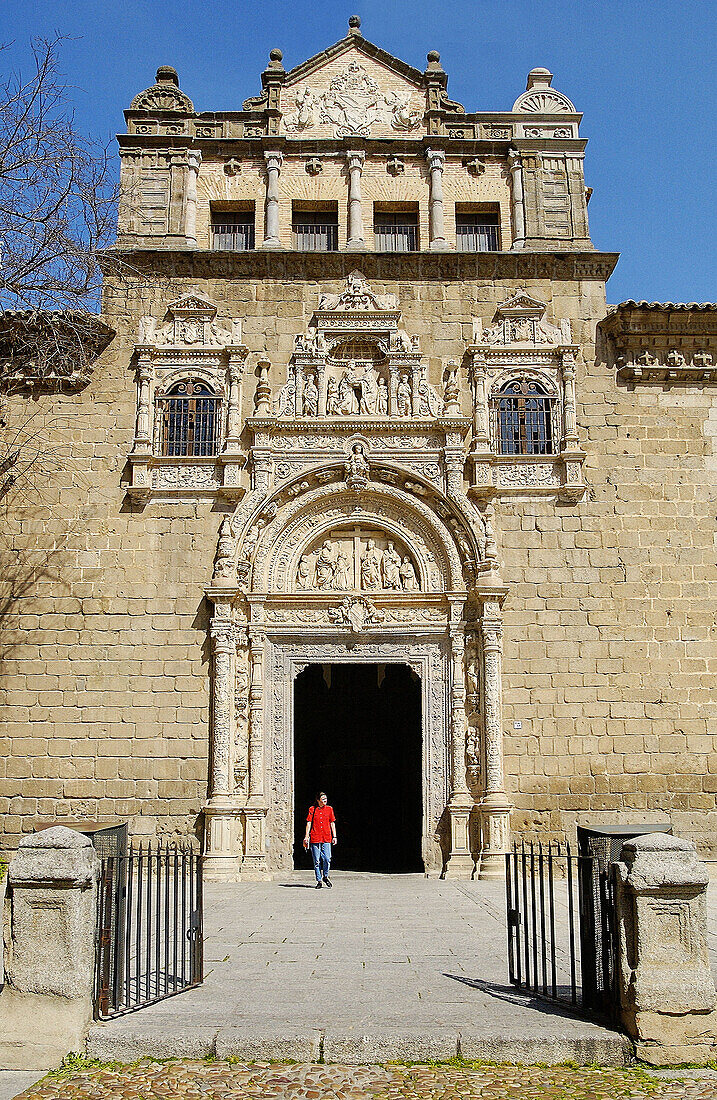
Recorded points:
(353,88)
(521,304)
(192,304)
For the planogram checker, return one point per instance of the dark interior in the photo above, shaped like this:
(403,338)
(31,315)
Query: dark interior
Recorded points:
(357,736)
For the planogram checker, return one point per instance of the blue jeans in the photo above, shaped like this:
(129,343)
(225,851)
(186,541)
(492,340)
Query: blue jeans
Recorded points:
(321,855)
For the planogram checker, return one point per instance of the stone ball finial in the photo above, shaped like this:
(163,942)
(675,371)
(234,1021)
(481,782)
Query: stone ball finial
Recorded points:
(433,57)
(355,23)
(539,77)
(275,55)
(167,74)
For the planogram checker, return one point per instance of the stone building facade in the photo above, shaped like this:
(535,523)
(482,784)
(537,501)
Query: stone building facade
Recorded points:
(367,452)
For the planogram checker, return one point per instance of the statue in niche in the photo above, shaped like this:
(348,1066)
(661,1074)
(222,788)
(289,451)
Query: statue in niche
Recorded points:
(348,402)
(303,574)
(424,399)
(333,398)
(382,397)
(311,397)
(407,573)
(390,568)
(403,396)
(344,574)
(325,566)
(371,567)
(402,342)
(356,468)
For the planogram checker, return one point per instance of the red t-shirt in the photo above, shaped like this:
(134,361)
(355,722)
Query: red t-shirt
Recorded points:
(321,818)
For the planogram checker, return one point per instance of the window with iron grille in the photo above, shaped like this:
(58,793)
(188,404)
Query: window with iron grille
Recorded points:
(523,415)
(233,231)
(188,420)
(316,230)
(395,230)
(477,231)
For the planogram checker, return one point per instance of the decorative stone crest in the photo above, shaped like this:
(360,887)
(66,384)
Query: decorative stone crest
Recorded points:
(357,613)
(164,95)
(357,296)
(521,320)
(354,104)
(540,98)
(192,322)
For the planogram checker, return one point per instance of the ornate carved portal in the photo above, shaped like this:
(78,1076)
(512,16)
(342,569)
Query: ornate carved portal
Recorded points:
(356,543)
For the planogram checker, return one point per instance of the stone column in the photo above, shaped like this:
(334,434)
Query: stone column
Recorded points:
(222,859)
(415,383)
(255,865)
(494,807)
(50,917)
(436,160)
(666,992)
(262,394)
(142,441)
(236,371)
(355,241)
(274,162)
(460,861)
(194,159)
(516,176)
(482,470)
(321,384)
(570,424)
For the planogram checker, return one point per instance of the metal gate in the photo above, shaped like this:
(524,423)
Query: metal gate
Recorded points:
(561,926)
(149,920)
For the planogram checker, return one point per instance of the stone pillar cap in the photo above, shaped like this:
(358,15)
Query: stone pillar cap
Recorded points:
(659,842)
(58,857)
(541,78)
(650,863)
(167,74)
(58,836)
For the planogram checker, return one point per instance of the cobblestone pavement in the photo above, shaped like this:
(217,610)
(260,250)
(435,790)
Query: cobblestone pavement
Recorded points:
(192,1080)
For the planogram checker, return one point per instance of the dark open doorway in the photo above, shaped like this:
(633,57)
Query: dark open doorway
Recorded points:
(357,735)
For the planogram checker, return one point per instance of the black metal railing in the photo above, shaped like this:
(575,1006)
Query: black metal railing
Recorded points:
(395,237)
(477,237)
(189,422)
(554,911)
(236,235)
(149,919)
(316,236)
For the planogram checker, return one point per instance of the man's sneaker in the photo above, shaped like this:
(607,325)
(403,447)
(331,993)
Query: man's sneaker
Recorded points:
(328,882)
(318,885)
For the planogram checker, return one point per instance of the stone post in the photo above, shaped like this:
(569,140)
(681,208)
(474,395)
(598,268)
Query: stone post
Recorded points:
(666,992)
(518,203)
(194,159)
(494,807)
(436,160)
(355,242)
(262,394)
(142,443)
(222,857)
(460,860)
(49,927)
(274,162)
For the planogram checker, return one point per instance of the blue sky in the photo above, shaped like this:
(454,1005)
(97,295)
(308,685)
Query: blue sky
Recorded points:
(642,73)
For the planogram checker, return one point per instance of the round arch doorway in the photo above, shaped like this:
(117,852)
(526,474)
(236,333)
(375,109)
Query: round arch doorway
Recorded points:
(357,735)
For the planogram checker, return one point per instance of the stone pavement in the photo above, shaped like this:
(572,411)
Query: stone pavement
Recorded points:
(223,1081)
(379,968)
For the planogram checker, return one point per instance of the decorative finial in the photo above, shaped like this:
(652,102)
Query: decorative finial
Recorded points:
(166,74)
(355,24)
(433,56)
(541,78)
(275,55)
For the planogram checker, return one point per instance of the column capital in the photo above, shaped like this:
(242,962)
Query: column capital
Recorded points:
(194,159)
(436,159)
(144,370)
(514,159)
(221,632)
(274,160)
(356,158)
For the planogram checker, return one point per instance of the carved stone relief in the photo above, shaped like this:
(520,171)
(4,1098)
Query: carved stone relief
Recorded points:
(357,560)
(353,105)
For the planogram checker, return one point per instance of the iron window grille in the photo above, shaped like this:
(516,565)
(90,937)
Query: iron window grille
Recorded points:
(477,233)
(188,420)
(233,233)
(523,417)
(316,231)
(395,231)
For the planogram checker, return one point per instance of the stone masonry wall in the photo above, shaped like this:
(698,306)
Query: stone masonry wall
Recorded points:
(609,637)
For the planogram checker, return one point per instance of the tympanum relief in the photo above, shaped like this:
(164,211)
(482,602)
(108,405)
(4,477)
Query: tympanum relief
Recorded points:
(357,560)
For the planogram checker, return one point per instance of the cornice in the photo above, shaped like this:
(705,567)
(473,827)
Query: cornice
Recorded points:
(322,266)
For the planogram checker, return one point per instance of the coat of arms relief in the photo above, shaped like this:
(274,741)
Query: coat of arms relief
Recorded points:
(354,104)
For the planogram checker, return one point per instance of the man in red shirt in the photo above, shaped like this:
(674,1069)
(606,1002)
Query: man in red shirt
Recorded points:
(320,835)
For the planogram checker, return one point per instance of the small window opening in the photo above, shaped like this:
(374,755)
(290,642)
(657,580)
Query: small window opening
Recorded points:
(523,419)
(189,418)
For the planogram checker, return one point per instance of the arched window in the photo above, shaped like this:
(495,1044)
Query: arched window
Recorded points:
(189,419)
(523,419)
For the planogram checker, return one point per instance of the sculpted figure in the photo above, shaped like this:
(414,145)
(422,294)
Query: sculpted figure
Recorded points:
(311,397)
(348,402)
(403,396)
(407,573)
(325,566)
(333,401)
(371,567)
(368,390)
(344,575)
(381,397)
(357,465)
(390,567)
(303,573)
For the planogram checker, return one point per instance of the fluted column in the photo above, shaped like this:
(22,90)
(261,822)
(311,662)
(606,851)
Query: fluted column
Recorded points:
(516,175)
(436,229)
(194,159)
(274,162)
(495,808)
(355,241)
